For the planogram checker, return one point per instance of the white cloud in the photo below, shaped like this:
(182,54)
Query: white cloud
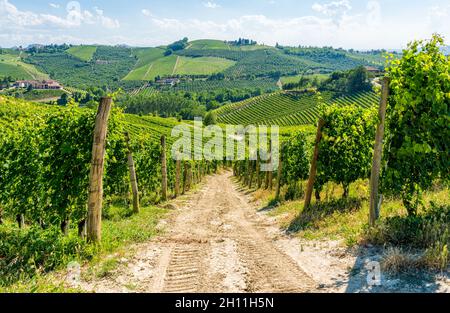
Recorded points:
(211,5)
(12,18)
(332,8)
(439,19)
(364,29)
(146,12)
(54,5)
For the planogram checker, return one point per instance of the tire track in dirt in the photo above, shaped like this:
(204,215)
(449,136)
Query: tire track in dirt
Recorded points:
(216,243)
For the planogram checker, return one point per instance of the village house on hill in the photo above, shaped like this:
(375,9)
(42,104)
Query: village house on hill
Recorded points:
(168,81)
(38,84)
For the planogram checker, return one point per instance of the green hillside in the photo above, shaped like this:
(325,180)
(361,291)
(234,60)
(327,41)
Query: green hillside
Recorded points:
(287,108)
(158,67)
(201,66)
(84,53)
(13,65)
(208,44)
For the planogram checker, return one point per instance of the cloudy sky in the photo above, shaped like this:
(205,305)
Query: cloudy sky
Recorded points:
(359,24)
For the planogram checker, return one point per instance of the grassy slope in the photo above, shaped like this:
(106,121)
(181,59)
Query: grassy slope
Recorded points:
(84,53)
(159,66)
(202,66)
(208,44)
(344,223)
(12,65)
(296,78)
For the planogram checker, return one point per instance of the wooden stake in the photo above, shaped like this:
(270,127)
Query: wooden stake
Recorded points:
(185,177)
(133,177)
(375,200)
(163,169)
(313,170)
(95,199)
(250,182)
(177,178)
(279,176)
(258,172)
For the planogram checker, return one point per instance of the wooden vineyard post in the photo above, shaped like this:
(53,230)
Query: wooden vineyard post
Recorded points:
(133,177)
(250,181)
(270,173)
(270,177)
(20,218)
(375,199)
(185,177)
(177,178)
(247,174)
(279,176)
(258,172)
(313,170)
(95,199)
(163,169)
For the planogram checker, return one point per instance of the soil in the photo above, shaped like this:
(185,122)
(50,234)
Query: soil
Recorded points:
(216,240)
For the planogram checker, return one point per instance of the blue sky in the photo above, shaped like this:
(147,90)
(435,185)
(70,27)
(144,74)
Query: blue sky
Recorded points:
(355,24)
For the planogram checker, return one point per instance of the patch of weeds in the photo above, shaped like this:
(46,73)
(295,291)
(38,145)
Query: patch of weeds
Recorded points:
(309,217)
(107,268)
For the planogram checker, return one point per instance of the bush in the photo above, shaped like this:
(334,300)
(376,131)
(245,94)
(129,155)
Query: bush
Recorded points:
(27,252)
(430,231)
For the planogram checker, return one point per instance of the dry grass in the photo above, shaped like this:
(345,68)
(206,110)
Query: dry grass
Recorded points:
(396,260)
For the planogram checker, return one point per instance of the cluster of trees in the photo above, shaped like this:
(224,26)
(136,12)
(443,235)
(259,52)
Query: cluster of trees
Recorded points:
(348,82)
(6,81)
(47,48)
(352,81)
(73,72)
(243,42)
(89,98)
(176,46)
(162,104)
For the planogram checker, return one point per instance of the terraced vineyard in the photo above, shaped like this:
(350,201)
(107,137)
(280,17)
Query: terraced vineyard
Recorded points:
(209,85)
(287,108)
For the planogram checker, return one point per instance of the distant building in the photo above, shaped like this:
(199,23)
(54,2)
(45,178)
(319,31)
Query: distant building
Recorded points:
(373,70)
(168,81)
(38,84)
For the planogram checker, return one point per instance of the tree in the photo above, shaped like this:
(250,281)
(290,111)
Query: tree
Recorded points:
(358,80)
(64,100)
(210,119)
(417,122)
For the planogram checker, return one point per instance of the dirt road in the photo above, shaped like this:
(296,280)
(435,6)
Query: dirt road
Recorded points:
(214,242)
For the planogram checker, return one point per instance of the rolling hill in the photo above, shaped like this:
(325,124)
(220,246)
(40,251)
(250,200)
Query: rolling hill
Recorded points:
(11,64)
(287,108)
(113,67)
(84,53)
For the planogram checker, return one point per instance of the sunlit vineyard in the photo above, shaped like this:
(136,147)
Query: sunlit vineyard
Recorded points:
(287,108)
(144,91)
(74,90)
(209,85)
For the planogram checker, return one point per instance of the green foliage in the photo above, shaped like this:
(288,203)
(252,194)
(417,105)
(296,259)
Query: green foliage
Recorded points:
(288,108)
(418,121)
(162,104)
(295,159)
(107,67)
(35,250)
(210,119)
(346,148)
(353,81)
